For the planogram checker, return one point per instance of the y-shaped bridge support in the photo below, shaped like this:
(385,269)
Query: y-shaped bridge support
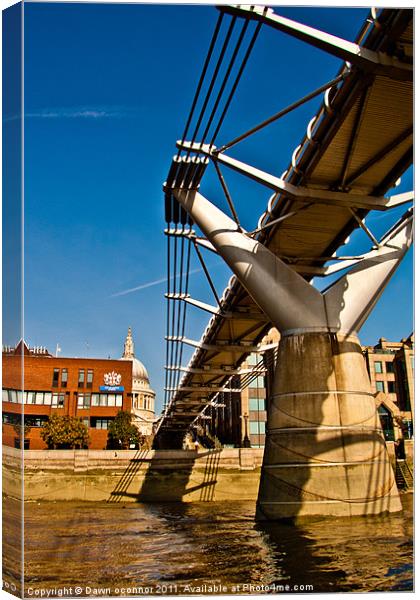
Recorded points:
(325,453)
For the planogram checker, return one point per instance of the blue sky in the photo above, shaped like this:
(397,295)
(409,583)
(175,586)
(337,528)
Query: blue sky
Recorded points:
(107,92)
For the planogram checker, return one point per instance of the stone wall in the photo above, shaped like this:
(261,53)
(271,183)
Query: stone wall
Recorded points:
(139,476)
(134,476)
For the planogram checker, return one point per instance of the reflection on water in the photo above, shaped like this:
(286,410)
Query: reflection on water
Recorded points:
(110,545)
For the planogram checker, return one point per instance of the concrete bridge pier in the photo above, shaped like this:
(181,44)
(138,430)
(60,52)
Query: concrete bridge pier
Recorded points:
(325,453)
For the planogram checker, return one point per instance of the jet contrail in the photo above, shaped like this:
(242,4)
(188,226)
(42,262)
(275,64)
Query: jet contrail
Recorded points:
(149,284)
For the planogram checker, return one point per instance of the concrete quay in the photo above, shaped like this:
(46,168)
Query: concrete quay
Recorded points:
(138,476)
(133,475)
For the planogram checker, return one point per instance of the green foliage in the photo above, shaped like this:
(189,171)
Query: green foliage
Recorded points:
(122,433)
(62,431)
(22,431)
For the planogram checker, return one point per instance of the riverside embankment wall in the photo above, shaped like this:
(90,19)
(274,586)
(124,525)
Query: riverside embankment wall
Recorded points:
(138,475)
(133,476)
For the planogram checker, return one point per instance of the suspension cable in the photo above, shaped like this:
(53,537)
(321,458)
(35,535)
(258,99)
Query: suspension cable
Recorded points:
(187,279)
(225,79)
(238,77)
(173,308)
(203,74)
(180,303)
(213,79)
(168,260)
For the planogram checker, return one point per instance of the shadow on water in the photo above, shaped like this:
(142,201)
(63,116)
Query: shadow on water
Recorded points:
(168,477)
(296,560)
(354,556)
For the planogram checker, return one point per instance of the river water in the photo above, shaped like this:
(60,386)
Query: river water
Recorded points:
(91,548)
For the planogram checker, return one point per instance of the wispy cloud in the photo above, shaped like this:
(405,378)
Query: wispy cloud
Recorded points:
(149,284)
(83,112)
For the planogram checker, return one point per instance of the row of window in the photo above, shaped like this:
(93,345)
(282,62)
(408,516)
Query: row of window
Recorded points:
(29,420)
(88,400)
(389,367)
(40,420)
(47,398)
(385,386)
(58,399)
(81,383)
(145,402)
(97,423)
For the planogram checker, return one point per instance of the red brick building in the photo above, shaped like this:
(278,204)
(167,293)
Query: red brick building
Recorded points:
(93,390)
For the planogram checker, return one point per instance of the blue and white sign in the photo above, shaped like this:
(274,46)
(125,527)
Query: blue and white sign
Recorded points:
(111,388)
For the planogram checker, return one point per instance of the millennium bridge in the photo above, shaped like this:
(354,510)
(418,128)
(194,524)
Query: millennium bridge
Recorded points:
(324,452)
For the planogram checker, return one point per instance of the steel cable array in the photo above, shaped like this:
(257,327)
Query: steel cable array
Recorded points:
(213,95)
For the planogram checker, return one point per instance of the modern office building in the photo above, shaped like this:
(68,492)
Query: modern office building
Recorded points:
(391,370)
(258,372)
(93,390)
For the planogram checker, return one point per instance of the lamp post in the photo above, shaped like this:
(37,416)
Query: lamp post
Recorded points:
(246,441)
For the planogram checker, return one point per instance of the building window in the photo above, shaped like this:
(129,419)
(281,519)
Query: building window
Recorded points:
(47,398)
(391,387)
(12,419)
(378,366)
(389,367)
(101,423)
(81,382)
(257,404)
(252,359)
(85,421)
(29,420)
(39,397)
(380,386)
(96,399)
(64,377)
(256,427)
(107,399)
(56,375)
(58,400)
(29,397)
(386,422)
(89,379)
(35,420)
(83,400)
(407,429)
